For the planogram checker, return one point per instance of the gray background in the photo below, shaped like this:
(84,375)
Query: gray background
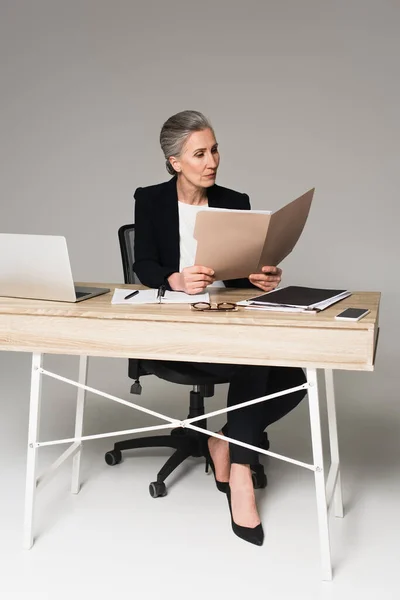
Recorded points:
(301,93)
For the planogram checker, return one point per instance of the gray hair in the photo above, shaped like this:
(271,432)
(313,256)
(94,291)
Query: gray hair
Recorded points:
(176,130)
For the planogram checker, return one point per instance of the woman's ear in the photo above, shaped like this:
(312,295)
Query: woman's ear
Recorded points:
(175,163)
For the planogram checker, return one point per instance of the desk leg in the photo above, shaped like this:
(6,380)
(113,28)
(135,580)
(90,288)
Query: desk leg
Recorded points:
(319,474)
(33,434)
(333,440)
(80,407)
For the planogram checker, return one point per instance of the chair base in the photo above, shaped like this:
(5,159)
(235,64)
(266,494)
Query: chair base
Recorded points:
(186,443)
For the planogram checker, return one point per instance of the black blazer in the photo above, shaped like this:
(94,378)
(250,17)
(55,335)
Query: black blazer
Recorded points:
(157,252)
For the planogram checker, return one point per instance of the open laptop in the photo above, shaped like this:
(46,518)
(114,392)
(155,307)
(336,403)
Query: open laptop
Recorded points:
(38,267)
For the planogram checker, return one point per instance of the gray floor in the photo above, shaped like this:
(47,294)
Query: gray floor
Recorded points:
(114,540)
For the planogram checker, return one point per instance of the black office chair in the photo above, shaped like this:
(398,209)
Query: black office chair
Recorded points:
(186,442)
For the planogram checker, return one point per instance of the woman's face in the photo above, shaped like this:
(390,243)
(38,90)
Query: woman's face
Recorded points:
(199,160)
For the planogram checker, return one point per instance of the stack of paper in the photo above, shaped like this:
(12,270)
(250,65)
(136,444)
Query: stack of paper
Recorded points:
(296,299)
(150,297)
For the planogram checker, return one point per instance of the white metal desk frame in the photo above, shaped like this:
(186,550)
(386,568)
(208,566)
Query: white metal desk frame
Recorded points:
(325,492)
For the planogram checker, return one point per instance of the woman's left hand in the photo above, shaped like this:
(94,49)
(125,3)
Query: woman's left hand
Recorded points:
(268,280)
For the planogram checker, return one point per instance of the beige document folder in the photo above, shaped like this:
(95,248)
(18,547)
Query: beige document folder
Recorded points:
(236,243)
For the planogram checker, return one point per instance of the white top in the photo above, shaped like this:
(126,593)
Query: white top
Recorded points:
(187,243)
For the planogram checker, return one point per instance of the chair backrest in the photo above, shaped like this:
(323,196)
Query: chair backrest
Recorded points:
(126,236)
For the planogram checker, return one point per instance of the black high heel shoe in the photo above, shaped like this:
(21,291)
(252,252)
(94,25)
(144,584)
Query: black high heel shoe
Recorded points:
(253,535)
(222,486)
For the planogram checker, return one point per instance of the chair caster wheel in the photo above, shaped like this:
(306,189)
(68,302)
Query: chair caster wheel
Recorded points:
(265,441)
(259,477)
(157,490)
(113,457)
(259,482)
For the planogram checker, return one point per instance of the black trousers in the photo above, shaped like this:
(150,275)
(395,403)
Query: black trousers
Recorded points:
(246,383)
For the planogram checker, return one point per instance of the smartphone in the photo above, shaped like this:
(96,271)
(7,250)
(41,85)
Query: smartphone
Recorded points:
(352,314)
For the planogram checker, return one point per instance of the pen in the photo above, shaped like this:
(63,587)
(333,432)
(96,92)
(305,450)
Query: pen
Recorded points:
(160,293)
(131,295)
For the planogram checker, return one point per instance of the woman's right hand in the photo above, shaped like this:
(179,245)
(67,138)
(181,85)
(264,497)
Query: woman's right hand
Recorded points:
(192,280)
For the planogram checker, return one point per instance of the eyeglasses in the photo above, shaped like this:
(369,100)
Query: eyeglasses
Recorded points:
(225,306)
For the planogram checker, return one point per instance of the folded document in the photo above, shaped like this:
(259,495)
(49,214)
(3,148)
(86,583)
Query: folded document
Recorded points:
(151,297)
(236,243)
(296,299)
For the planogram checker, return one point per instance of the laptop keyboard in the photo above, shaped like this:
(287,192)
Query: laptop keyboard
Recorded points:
(80,294)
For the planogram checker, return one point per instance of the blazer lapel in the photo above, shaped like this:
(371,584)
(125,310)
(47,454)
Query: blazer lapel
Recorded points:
(214,197)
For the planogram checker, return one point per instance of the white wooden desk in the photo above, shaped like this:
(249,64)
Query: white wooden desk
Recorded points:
(175,332)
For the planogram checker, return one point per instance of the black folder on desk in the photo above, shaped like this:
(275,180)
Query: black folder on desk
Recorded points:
(297,298)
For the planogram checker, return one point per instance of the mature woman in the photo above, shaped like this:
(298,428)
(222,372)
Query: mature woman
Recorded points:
(165,249)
